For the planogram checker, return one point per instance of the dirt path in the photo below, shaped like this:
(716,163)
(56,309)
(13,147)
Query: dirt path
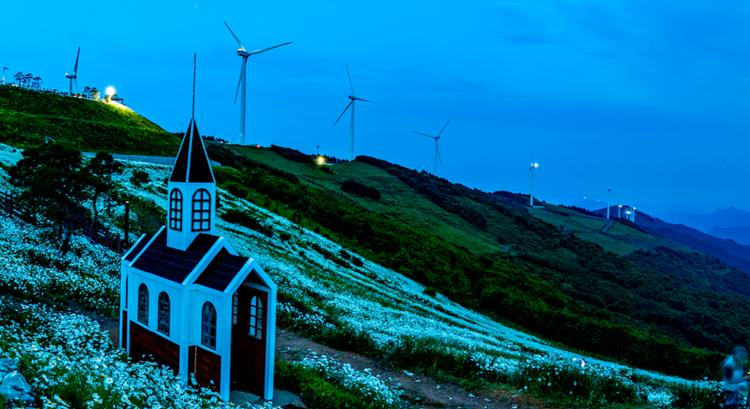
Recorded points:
(421,391)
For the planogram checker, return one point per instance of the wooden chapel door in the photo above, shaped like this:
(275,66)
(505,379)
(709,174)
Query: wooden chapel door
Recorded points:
(249,339)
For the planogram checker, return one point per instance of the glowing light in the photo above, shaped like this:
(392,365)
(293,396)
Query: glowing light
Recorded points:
(257,146)
(321,160)
(536,165)
(110,91)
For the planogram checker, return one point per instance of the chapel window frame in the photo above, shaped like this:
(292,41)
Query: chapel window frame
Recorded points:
(175,209)
(256,318)
(164,316)
(143,304)
(201,210)
(208,325)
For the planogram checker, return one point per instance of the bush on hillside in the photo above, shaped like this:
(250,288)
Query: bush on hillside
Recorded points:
(356,188)
(292,154)
(139,178)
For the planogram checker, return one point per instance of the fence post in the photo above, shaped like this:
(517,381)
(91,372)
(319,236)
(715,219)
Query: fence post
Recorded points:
(127,224)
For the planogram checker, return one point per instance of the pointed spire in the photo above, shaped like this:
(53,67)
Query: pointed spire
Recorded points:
(192,164)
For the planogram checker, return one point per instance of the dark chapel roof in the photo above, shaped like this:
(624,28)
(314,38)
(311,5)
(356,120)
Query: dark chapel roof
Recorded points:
(221,271)
(170,263)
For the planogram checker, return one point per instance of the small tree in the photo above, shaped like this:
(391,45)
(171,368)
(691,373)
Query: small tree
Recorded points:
(27,80)
(54,183)
(99,172)
(37,82)
(19,79)
(95,94)
(87,92)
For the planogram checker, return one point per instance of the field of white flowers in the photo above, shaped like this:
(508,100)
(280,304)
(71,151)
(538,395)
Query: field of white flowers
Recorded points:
(324,297)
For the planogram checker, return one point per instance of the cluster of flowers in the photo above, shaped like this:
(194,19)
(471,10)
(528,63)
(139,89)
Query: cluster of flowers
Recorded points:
(291,317)
(29,265)
(365,383)
(71,363)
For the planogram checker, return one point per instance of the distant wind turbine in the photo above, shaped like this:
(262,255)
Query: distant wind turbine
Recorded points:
(73,77)
(533,166)
(4,68)
(608,192)
(351,104)
(243,78)
(437,150)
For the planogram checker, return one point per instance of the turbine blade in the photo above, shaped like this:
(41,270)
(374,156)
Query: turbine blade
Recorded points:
(239,83)
(242,47)
(342,114)
(446,124)
(75,82)
(437,149)
(360,99)
(350,79)
(269,48)
(529,172)
(75,70)
(429,136)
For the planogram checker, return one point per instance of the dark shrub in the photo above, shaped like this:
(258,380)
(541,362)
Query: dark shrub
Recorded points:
(291,154)
(356,188)
(139,178)
(244,219)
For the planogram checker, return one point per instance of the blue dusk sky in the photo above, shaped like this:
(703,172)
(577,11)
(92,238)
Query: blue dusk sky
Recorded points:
(649,98)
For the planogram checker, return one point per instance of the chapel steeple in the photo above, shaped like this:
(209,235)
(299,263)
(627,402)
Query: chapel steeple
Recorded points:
(191,189)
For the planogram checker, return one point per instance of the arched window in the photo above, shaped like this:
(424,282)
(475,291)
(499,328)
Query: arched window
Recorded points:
(164,308)
(208,326)
(202,210)
(143,304)
(256,318)
(175,210)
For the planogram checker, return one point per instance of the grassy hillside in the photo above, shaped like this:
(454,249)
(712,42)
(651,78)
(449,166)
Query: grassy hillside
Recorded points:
(552,270)
(487,252)
(326,293)
(27,116)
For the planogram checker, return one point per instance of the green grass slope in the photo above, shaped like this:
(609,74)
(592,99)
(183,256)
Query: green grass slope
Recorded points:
(27,116)
(551,270)
(487,252)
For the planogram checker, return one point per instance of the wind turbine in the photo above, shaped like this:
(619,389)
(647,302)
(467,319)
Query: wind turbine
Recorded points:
(533,166)
(437,150)
(4,68)
(608,191)
(351,104)
(74,77)
(243,78)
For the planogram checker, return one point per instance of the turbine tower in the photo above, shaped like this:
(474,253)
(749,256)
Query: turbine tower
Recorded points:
(4,68)
(73,77)
(243,78)
(608,191)
(437,150)
(533,166)
(351,104)
(531,170)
